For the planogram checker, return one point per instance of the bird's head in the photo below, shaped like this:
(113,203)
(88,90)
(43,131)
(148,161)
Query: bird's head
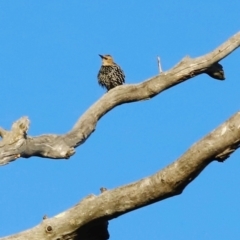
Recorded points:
(107,60)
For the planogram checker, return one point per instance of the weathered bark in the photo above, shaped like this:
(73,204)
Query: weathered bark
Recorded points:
(62,146)
(90,215)
(89,218)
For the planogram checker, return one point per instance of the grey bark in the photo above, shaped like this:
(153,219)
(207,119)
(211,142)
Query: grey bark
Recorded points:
(63,146)
(89,218)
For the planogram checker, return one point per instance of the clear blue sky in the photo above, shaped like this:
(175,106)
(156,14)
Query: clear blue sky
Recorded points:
(48,66)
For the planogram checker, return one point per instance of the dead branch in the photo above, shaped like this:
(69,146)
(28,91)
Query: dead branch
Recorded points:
(62,146)
(93,212)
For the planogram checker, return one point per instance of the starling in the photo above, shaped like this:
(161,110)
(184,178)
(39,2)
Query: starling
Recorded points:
(110,74)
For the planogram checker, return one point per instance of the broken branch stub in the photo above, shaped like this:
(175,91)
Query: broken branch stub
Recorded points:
(16,143)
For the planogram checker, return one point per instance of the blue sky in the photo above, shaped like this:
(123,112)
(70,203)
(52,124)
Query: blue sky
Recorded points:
(48,66)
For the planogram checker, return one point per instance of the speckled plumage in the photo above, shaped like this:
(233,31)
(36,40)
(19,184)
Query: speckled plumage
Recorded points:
(110,74)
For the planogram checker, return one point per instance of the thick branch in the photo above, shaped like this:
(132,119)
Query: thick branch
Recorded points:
(62,146)
(171,181)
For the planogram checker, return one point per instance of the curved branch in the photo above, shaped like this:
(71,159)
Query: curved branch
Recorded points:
(62,146)
(94,211)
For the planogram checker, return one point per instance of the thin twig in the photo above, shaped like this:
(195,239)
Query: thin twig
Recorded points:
(159,65)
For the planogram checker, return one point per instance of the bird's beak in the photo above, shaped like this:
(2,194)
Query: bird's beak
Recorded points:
(101,56)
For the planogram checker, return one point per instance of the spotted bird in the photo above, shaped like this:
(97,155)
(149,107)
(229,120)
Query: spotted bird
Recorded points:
(110,74)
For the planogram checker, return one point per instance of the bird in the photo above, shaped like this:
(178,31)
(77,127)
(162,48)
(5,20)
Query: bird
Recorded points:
(110,74)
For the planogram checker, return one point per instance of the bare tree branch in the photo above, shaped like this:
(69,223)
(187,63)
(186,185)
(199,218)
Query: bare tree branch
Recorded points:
(93,212)
(62,146)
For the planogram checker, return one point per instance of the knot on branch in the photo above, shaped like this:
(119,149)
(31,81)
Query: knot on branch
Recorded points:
(216,71)
(56,149)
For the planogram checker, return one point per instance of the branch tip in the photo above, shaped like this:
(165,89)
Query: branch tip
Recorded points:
(103,189)
(216,71)
(159,65)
